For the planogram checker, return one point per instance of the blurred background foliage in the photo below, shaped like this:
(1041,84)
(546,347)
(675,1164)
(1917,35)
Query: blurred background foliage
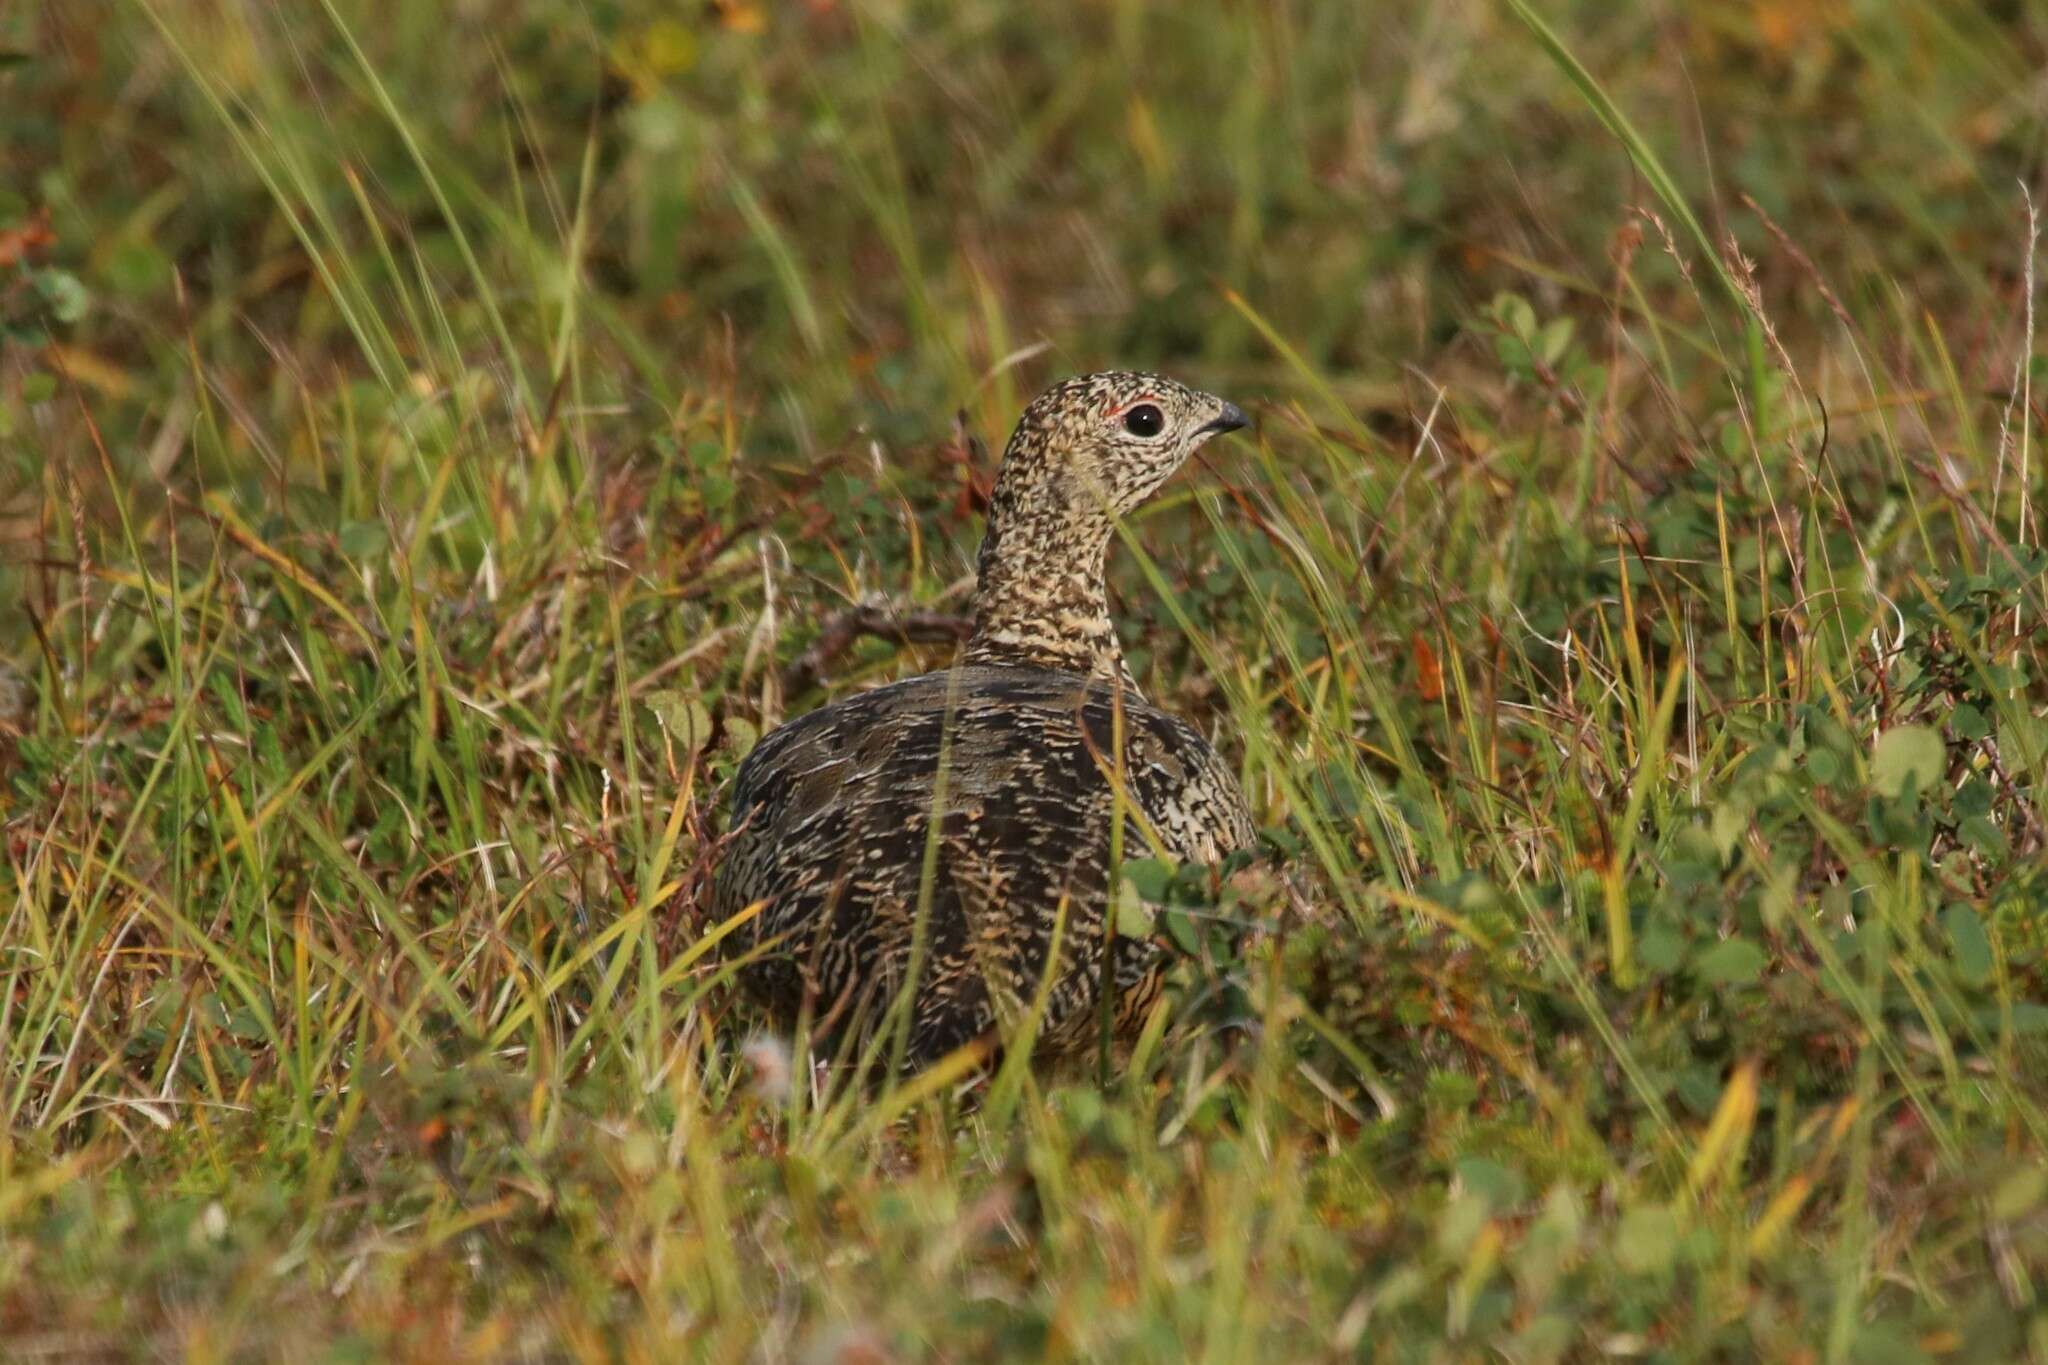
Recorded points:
(871,205)
(435,440)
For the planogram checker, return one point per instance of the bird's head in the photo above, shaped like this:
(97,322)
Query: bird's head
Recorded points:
(1086,452)
(1102,443)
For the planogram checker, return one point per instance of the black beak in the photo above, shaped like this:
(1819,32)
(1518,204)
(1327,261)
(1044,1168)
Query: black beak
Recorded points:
(1232,418)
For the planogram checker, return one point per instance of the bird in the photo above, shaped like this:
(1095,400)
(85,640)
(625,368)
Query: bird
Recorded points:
(930,862)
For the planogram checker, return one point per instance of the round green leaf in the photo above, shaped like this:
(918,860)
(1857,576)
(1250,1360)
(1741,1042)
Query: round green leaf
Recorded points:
(686,719)
(1646,1240)
(1907,758)
(1731,962)
(1134,918)
(1149,876)
(67,298)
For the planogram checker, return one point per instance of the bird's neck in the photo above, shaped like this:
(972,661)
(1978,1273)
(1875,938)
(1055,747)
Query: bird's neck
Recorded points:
(1040,601)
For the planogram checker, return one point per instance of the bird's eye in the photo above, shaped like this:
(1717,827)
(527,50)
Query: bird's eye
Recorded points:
(1145,420)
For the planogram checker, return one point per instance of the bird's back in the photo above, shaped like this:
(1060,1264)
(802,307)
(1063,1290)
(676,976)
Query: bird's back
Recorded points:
(834,831)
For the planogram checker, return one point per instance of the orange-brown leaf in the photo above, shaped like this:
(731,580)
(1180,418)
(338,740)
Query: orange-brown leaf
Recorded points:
(1429,673)
(17,243)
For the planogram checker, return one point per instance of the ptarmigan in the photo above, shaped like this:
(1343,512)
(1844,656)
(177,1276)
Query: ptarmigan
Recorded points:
(953,828)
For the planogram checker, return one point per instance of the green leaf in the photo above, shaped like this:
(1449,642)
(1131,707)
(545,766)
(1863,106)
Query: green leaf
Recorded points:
(1730,822)
(1134,918)
(1696,845)
(1182,930)
(60,289)
(1660,949)
(1907,758)
(1824,731)
(1731,962)
(1982,835)
(1971,944)
(1512,354)
(1149,877)
(1646,1239)
(137,268)
(685,718)
(1500,1187)
(1460,1223)
(362,539)
(2029,1018)
(1552,341)
(1450,1090)
(1515,314)
(2022,742)
(741,735)
(2019,1193)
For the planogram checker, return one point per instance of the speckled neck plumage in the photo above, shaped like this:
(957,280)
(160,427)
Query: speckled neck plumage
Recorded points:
(1086,451)
(1041,601)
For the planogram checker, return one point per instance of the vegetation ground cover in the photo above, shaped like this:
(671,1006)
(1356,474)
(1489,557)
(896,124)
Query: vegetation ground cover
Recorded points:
(436,441)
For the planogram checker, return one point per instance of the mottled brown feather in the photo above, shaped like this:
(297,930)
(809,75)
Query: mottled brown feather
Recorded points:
(964,817)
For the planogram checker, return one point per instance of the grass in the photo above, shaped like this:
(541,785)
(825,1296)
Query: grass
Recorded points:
(435,440)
